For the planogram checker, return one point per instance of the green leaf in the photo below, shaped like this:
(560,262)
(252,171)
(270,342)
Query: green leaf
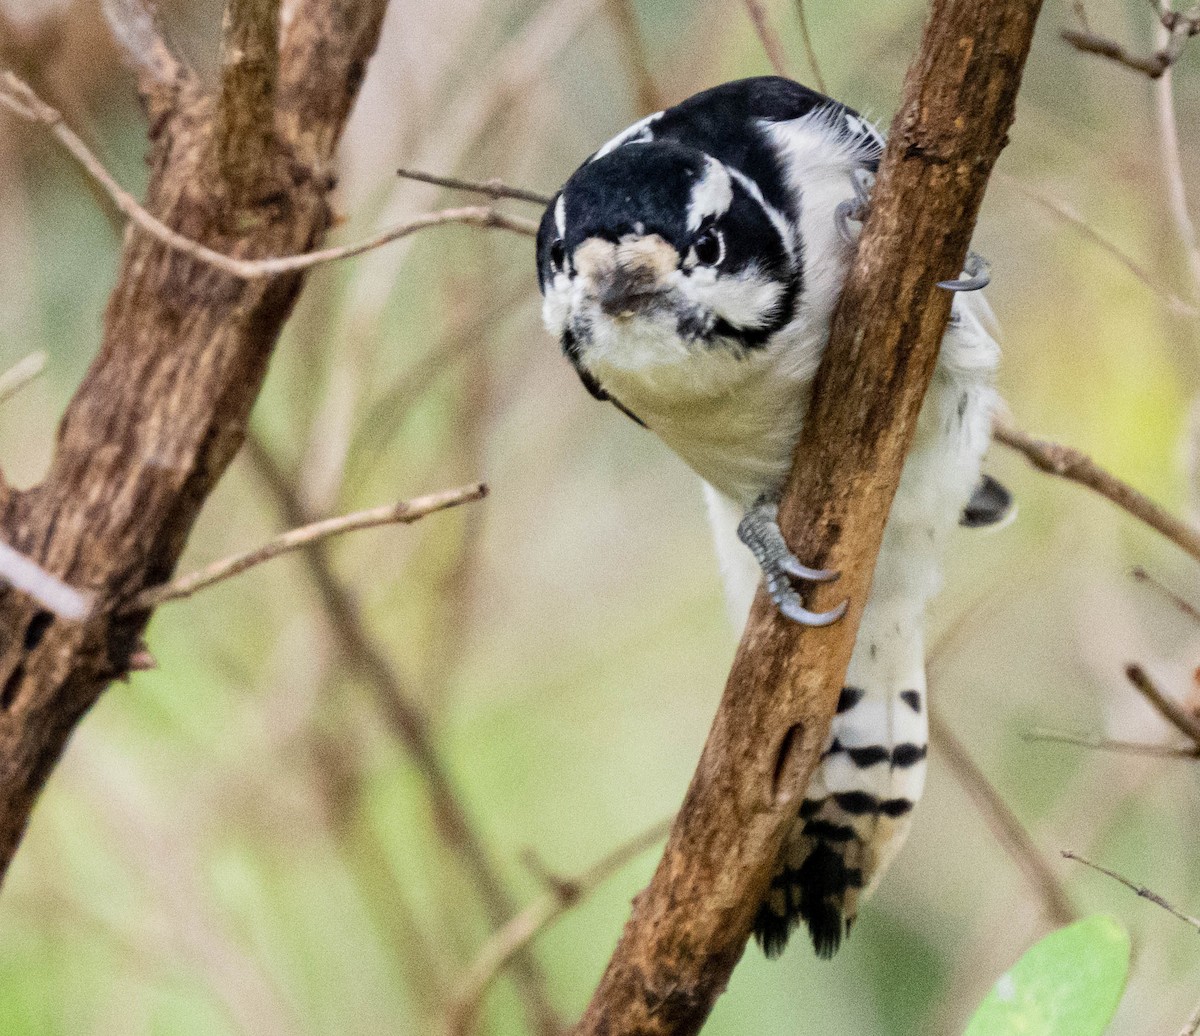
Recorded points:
(1069,984)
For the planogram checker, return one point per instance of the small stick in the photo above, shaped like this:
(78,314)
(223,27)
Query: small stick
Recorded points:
(1187,608)
(402,513)
(1170,710)
(809,49)
(1107,744)
(1193,1024)
(770,41)
(1069,463)
(1141,890)
(48,590)
(560,896)
(493,189)
(18,97)
(20,374)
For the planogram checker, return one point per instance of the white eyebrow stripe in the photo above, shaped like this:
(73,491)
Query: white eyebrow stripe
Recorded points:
(773,214)
(711,195)
(560,214)
(639,132)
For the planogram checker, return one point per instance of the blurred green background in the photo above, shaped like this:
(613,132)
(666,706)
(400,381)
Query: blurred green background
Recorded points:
(236,843)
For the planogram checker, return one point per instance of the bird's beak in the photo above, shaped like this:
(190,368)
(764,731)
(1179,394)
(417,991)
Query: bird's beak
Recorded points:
(627,277)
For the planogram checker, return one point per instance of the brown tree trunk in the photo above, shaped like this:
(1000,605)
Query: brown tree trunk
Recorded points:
(165,405)
(690,926)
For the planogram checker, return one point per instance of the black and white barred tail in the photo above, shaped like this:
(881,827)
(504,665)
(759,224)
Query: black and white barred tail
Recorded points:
(857,809)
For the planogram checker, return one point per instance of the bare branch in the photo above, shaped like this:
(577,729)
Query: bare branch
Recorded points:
(624,21)
(1106,744)
(409,725)
(403,513)
(1168,134)
(48,590)
(19,98)
(1093,43)
(689,928)
(136,28)
(1170,710)
(493,189)
(1003,823)
(809,50)
(1193,1024)
(1141,890)
(1065,212)
(245,122)
(561,895)
(20,374)
(1069,463)
(769,37)
(1185,607)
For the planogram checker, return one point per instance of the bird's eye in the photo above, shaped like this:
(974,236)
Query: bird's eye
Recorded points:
(558,256)
(709,247)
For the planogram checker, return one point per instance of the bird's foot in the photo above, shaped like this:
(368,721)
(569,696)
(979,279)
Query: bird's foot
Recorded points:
(849,212)
(759,530)
(977,275)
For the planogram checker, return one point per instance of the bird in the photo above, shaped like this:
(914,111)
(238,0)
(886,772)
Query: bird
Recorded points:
(690,269)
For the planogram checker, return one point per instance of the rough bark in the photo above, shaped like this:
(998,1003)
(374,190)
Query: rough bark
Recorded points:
(690,926)
(165,404)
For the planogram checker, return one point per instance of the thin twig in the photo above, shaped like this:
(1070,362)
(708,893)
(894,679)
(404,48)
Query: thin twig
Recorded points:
(1107,744)
(48,590)
(770,39)
(560,896)
(408,724)
(1067,214)
(19,98)
(1170,710)
(1069,463)
(136,28)
(1003,823)
(1093,43)
(809,49)
(1168,134)
(403,513)
(1186,607)
(1193,1024)
(493,189)
(625,24)
(20,374)
(1141,890)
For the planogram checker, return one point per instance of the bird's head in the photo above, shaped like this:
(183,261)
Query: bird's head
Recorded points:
(653,251)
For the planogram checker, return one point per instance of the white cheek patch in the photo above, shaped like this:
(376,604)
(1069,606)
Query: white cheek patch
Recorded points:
(638,133)
(746,299)
(711,196)
(556,306)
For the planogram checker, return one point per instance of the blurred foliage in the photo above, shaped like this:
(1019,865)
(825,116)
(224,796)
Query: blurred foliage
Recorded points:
(236,845)
(1068,984)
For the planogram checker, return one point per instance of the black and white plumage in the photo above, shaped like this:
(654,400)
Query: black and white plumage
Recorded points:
(691,267)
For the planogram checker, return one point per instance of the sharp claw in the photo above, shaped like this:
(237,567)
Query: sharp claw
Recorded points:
(793,567)
(842,215)
(976,279)
(791,607)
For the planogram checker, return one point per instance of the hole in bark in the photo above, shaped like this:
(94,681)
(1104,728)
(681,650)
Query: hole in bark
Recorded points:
(9,694)
(37,629)
(785,784)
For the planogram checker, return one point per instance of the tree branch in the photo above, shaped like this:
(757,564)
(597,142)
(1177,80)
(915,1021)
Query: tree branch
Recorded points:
(164,405)
(1171,711)
(689,928)
(770,40)
(1107,744)
(1141,890)
(493,189)
(1071,464)
(18,97)
(403,513)
(19,375)
(560,896)
(404,718)
(245,131)
(809,49)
